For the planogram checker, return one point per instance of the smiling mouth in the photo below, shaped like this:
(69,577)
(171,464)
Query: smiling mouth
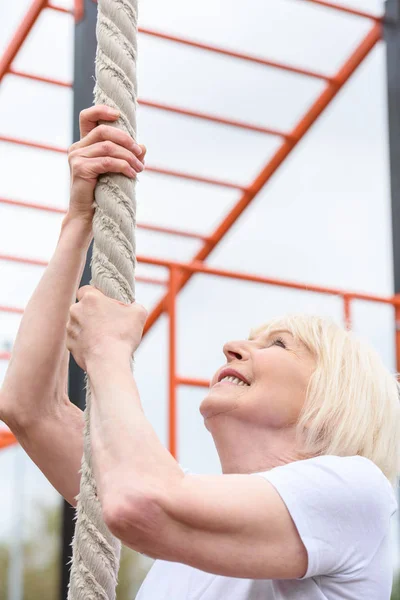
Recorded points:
(233,380)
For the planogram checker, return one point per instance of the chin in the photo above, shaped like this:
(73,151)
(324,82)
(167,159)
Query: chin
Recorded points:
(206,407)
(214,404)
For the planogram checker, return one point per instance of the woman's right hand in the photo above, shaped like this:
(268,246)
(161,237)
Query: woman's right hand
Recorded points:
(101,149)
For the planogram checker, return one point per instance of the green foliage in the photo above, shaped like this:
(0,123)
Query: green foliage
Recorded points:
(42,562)
(396,588)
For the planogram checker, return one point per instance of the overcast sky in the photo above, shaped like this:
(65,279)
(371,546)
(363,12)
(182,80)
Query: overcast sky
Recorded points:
(323,219)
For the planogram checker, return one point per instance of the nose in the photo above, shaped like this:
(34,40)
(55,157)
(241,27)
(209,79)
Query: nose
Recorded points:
(236,350)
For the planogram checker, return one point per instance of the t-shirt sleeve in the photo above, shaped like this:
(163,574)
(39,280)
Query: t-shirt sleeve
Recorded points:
(341,507)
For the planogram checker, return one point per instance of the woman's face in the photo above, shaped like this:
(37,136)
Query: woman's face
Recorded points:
(272,372)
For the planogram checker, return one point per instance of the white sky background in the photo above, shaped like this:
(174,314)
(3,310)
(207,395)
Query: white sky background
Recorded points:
(323,219)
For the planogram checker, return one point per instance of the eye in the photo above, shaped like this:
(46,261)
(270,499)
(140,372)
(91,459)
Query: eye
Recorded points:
(279,342)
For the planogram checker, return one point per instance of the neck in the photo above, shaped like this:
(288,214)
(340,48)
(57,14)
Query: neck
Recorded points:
(249,448)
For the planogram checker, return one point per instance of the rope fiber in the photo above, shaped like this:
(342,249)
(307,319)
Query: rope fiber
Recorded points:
(96,552)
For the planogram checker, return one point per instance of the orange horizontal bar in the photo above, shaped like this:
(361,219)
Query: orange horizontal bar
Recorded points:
(200,267)
(147,226)
(30,144)
(12,309)
(172,231)
(150,280)
(231,53)
(22,204)
(59,8)
(25,261)
(160,171)
(302,127)
(41,263)
(198,178)
(192,382)
(165,107)
(5,355)
(12,71)
(213,118)
(6,438)
(346,9)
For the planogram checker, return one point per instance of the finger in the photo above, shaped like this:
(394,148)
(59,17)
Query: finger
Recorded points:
(103,133)
(140,311)
(90,168)
(89,117)
(143,154)
(111,149)
(82,291)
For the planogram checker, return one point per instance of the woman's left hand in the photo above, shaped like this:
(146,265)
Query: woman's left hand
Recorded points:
(99,326)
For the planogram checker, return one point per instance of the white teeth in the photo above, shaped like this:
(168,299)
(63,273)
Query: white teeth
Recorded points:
(234,380)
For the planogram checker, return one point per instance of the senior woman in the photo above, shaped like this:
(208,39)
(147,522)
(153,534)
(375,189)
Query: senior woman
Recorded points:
(304,416)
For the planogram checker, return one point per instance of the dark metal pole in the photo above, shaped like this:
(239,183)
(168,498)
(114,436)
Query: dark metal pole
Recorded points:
(84,70)
(392,38)
(391,30)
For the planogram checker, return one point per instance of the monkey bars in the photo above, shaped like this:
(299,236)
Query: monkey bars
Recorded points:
(180,272)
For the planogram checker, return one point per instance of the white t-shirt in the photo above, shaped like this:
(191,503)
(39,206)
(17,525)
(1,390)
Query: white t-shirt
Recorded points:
(341,507)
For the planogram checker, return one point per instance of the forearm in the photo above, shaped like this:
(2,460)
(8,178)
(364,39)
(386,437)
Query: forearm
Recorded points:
(32,380)
(128,457)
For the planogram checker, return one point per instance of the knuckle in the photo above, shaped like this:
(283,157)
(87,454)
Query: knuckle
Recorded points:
(106,147)
(106,162)
(76,163)
(141,311)
(128,139)
(101,131)
(71,149)
(90,298)
(83,115)
(73,159)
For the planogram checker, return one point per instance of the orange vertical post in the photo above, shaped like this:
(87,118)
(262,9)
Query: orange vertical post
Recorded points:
(172,414)
(79,10)
(347,310)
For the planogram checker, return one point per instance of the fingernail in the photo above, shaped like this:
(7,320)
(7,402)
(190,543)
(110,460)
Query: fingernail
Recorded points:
(132,172)
(140,167)
(137,149)
(115,112)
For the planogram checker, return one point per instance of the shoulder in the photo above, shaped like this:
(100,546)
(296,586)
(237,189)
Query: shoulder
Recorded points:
(337,478)
(344,469)
(336,502)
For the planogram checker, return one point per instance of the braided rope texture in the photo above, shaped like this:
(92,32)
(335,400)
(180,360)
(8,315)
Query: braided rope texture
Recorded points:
(96,552)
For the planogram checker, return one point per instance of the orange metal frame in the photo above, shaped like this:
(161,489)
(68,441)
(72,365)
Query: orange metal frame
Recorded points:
(180,273)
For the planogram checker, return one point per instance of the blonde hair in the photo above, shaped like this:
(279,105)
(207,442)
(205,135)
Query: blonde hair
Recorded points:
(352,404)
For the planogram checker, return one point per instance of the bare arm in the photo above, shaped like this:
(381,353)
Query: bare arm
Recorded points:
(34,399)
(232,525)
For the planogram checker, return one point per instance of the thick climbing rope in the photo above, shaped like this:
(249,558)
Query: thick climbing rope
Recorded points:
(96,553)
